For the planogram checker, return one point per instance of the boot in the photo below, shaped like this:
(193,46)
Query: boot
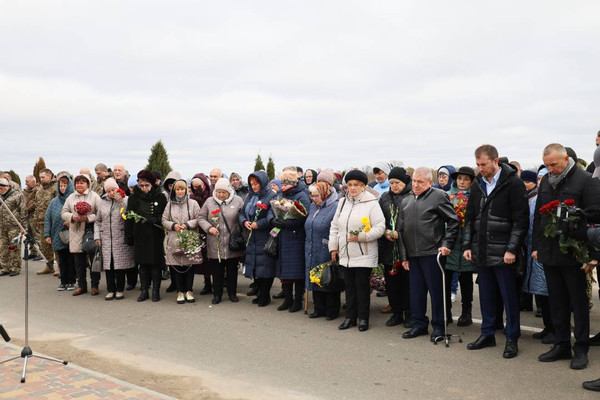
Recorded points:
(288,296)
(297,304)
(156,287)
(465,318)
(207,289)
(144,283)
(264,292)
(253,289)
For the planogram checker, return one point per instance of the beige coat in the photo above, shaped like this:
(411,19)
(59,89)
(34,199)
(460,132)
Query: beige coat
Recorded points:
(183,212)
(77,229)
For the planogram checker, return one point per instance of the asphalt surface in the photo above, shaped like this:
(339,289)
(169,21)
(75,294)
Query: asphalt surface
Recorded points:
(242,351)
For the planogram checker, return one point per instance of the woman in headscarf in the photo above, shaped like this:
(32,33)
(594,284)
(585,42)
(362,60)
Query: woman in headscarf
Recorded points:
(147,235)
(316,249)
(310,177)
(219,218)
(53,225)
(181,214)
(240,188)
(253,217)
(117,256)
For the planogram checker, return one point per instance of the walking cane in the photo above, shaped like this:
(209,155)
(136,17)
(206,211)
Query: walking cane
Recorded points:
(446,336)
(305,301)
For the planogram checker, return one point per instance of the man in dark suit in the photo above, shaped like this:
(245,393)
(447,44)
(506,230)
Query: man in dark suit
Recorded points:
(496,223)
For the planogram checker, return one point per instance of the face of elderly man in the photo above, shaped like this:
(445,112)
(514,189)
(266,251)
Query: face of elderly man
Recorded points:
(421,182)
(556,162)
(30,181)
(119,171)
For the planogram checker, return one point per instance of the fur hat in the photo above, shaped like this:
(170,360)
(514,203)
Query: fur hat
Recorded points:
(356,175)
(529,176)
(147,176)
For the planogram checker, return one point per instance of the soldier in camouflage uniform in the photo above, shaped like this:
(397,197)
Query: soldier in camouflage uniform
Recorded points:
(6,175)
(102,174)
(44,195)
(31,188)
(10,255)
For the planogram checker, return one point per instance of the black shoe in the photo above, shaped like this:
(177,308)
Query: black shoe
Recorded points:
(285,305)
(465,320)
(316,315)
(436,336)
(347,324)
(511,349)
(216,300)
(482,342)
(255,301)
(592,385)
(394,320)
(155,295)
(414,332)
(143,295)
(171,288)
(381,293)
(264,303)
(129,287)
(4,273)
(363,325)
(595,340)
(206,290)
(549,338)
(331,317)
(233,298)
(556,353)
(579,361)
(253,291)
(13,273)
(279,295)
(542,334)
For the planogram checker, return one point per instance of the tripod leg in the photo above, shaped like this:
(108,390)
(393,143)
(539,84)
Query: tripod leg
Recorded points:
(51,359)
(9,359)
(24,369)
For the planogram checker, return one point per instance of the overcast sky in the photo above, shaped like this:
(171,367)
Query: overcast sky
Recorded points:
(317,84)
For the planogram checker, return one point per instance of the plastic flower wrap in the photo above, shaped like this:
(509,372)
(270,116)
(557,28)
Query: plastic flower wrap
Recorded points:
(215,218)
(376,281)
(286,209)
(260,206)
(191,244)
(459,201)
(397,263)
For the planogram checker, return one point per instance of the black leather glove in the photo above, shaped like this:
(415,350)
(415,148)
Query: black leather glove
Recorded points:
(278,223)
(579,232)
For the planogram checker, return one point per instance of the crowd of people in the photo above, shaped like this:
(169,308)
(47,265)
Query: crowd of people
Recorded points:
(509,228)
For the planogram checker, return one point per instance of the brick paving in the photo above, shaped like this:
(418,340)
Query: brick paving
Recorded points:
(51,380)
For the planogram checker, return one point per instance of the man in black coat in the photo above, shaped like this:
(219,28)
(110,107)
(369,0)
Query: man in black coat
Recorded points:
(496,223)
(564,275)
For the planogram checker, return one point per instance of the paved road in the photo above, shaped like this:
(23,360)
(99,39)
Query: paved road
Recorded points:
(241,351)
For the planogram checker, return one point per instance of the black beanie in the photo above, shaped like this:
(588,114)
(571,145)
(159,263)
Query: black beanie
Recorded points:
(400,174)
(356,175)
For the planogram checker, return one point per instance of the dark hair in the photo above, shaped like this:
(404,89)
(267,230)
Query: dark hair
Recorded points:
(46,171)
(488,150)
(80,178)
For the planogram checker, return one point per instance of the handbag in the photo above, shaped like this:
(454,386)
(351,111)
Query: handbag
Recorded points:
(64,236)
(97,261)
(331,276)
(87,243)
(236,240)
(270,247)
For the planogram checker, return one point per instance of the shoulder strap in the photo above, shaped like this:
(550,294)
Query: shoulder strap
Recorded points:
(225,220)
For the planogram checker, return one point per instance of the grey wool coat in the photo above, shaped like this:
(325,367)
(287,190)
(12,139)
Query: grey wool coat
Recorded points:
(110,229)
(184,212)
(231,211)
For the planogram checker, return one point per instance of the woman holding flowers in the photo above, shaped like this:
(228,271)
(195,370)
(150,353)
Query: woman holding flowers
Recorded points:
(219,219)
(143,230)
(80,209)
(459,196)
(316,249)
(183,246)
(289,224)
(117,256)
(253,217)
(357,225)
(396,277)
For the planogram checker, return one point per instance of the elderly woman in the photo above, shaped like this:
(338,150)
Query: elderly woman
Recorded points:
(396,277)
(181,214)
(117,256)
(200,192)
(219,219)
(253,217)
(77,226)
(316,250)
(290,265)
(53,225)
(236,182)
(146,235)
(310,177)
(357,225)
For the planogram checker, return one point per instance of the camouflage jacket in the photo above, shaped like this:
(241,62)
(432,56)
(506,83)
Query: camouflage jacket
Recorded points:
(29,194)
(16,203)
(98,185)
(44,195)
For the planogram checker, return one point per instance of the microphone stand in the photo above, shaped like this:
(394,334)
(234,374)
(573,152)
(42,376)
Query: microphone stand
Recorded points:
(26,353)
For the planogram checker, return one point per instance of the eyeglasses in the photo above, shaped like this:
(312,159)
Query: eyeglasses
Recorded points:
(144,185)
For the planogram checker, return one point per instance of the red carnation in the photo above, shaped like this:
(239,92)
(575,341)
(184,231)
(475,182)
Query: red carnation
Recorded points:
(569,202)
(121,192)
(262,206)
(83,208)
(215,212)
(11,247)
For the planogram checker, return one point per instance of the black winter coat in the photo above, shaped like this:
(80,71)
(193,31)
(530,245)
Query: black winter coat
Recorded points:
(147,237)
(496,223)
(577,185)
(386,247)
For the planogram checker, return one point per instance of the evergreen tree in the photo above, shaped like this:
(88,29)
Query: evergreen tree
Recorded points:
(39,165)
(159,159)
(271,168)
(258,163)
(15,177)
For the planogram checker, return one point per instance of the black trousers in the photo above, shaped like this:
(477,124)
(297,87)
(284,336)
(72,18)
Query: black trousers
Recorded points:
(327,303)
(115,279)
(465,279)
(544,303)
(358,292)
(183,277)
(132,275)
(150,273)
(66,263)
(218,274)
(398,290)
(567,291)
(81,266)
